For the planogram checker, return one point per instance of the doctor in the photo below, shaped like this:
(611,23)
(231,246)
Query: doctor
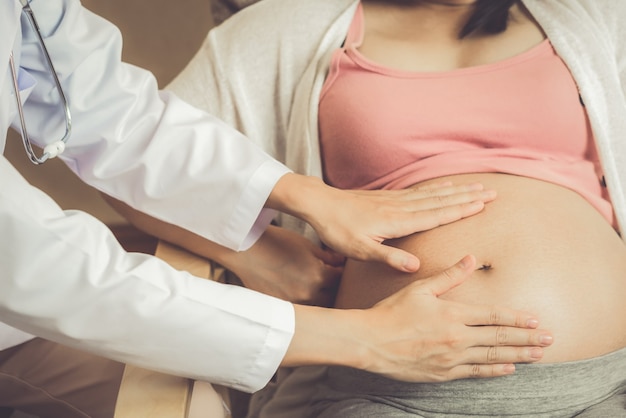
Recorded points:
(65,279)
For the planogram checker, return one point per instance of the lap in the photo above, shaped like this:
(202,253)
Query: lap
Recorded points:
(46,379)
(589,388)
(615,406)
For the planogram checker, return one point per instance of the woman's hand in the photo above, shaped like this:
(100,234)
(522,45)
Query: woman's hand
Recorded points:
(355,223)
(284,264)
(416,336)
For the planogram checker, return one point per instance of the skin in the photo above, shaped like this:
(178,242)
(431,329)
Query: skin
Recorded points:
(532,258)
(465,341)
(403,346)
(274,265)
(356,223)
(452,347)
(422,36)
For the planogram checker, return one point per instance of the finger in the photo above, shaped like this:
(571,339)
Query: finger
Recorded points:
(442,190)
(449,200)
(394,257)
(457,198)
(420,192)
(497,315)
(435,189)
(479,371)
(447,214)
(510,336)
(420,220)
(502,355)
(449,278)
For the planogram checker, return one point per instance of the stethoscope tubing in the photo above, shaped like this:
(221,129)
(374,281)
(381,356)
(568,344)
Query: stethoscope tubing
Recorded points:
(55,148)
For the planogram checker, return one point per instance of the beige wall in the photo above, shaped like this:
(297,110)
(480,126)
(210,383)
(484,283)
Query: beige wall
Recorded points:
(160,35)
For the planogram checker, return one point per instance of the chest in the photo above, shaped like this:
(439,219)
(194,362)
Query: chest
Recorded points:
(416,38)
(528,102)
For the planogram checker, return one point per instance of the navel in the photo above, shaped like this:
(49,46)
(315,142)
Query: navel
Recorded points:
(485,267)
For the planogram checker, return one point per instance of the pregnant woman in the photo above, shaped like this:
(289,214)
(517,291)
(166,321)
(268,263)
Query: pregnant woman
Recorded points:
(525,97)
(405,102)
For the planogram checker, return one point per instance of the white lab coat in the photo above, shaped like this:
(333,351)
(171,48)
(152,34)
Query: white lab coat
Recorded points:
(63,275)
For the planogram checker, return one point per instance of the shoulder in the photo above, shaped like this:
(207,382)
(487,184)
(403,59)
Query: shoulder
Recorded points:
(585,16)
(576,8)
(602,15)
(270,29)
(282,15)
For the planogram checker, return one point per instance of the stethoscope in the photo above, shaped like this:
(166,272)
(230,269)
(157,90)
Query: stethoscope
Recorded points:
(55,148)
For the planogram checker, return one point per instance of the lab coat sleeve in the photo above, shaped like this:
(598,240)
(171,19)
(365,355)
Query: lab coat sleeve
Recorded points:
(142,146)
(65,278)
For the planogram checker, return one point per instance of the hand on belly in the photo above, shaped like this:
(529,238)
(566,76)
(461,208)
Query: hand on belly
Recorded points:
(539,248)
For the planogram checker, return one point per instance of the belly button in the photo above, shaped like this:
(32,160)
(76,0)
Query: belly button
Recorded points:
(485,267)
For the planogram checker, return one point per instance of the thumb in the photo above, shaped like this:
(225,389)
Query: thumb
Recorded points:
(398,259)
(452,276)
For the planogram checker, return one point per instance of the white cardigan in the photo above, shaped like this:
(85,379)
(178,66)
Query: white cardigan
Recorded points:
(263,69)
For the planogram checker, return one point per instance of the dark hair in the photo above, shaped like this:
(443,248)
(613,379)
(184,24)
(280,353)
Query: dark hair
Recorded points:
(489,16)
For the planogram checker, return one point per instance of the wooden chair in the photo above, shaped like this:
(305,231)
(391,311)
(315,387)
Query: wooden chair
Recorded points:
(148,394)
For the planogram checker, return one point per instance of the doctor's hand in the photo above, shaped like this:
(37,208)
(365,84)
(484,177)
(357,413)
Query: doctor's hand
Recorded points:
(356,223)
(284,264)
(416,336)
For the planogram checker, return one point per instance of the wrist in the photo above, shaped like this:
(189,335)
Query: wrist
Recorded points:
(328,337)
(298,195)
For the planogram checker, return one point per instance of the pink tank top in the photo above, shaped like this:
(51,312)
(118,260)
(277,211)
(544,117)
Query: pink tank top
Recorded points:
(383,128)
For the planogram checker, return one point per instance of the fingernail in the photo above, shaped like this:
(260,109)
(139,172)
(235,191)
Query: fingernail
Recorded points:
(411,265)
(546,339)
(488,194)
(464,262)
(509,368)
(536,353)
(532,323)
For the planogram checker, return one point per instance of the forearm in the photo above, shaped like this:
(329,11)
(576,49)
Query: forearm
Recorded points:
(328,337)
(174,234)
(65,278)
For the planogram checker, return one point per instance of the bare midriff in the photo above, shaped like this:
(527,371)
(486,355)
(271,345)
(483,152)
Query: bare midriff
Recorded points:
(540,247)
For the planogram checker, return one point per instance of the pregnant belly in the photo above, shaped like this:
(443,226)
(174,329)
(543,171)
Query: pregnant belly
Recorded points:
(542,248)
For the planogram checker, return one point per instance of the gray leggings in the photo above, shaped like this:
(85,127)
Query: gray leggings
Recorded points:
(594,388)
